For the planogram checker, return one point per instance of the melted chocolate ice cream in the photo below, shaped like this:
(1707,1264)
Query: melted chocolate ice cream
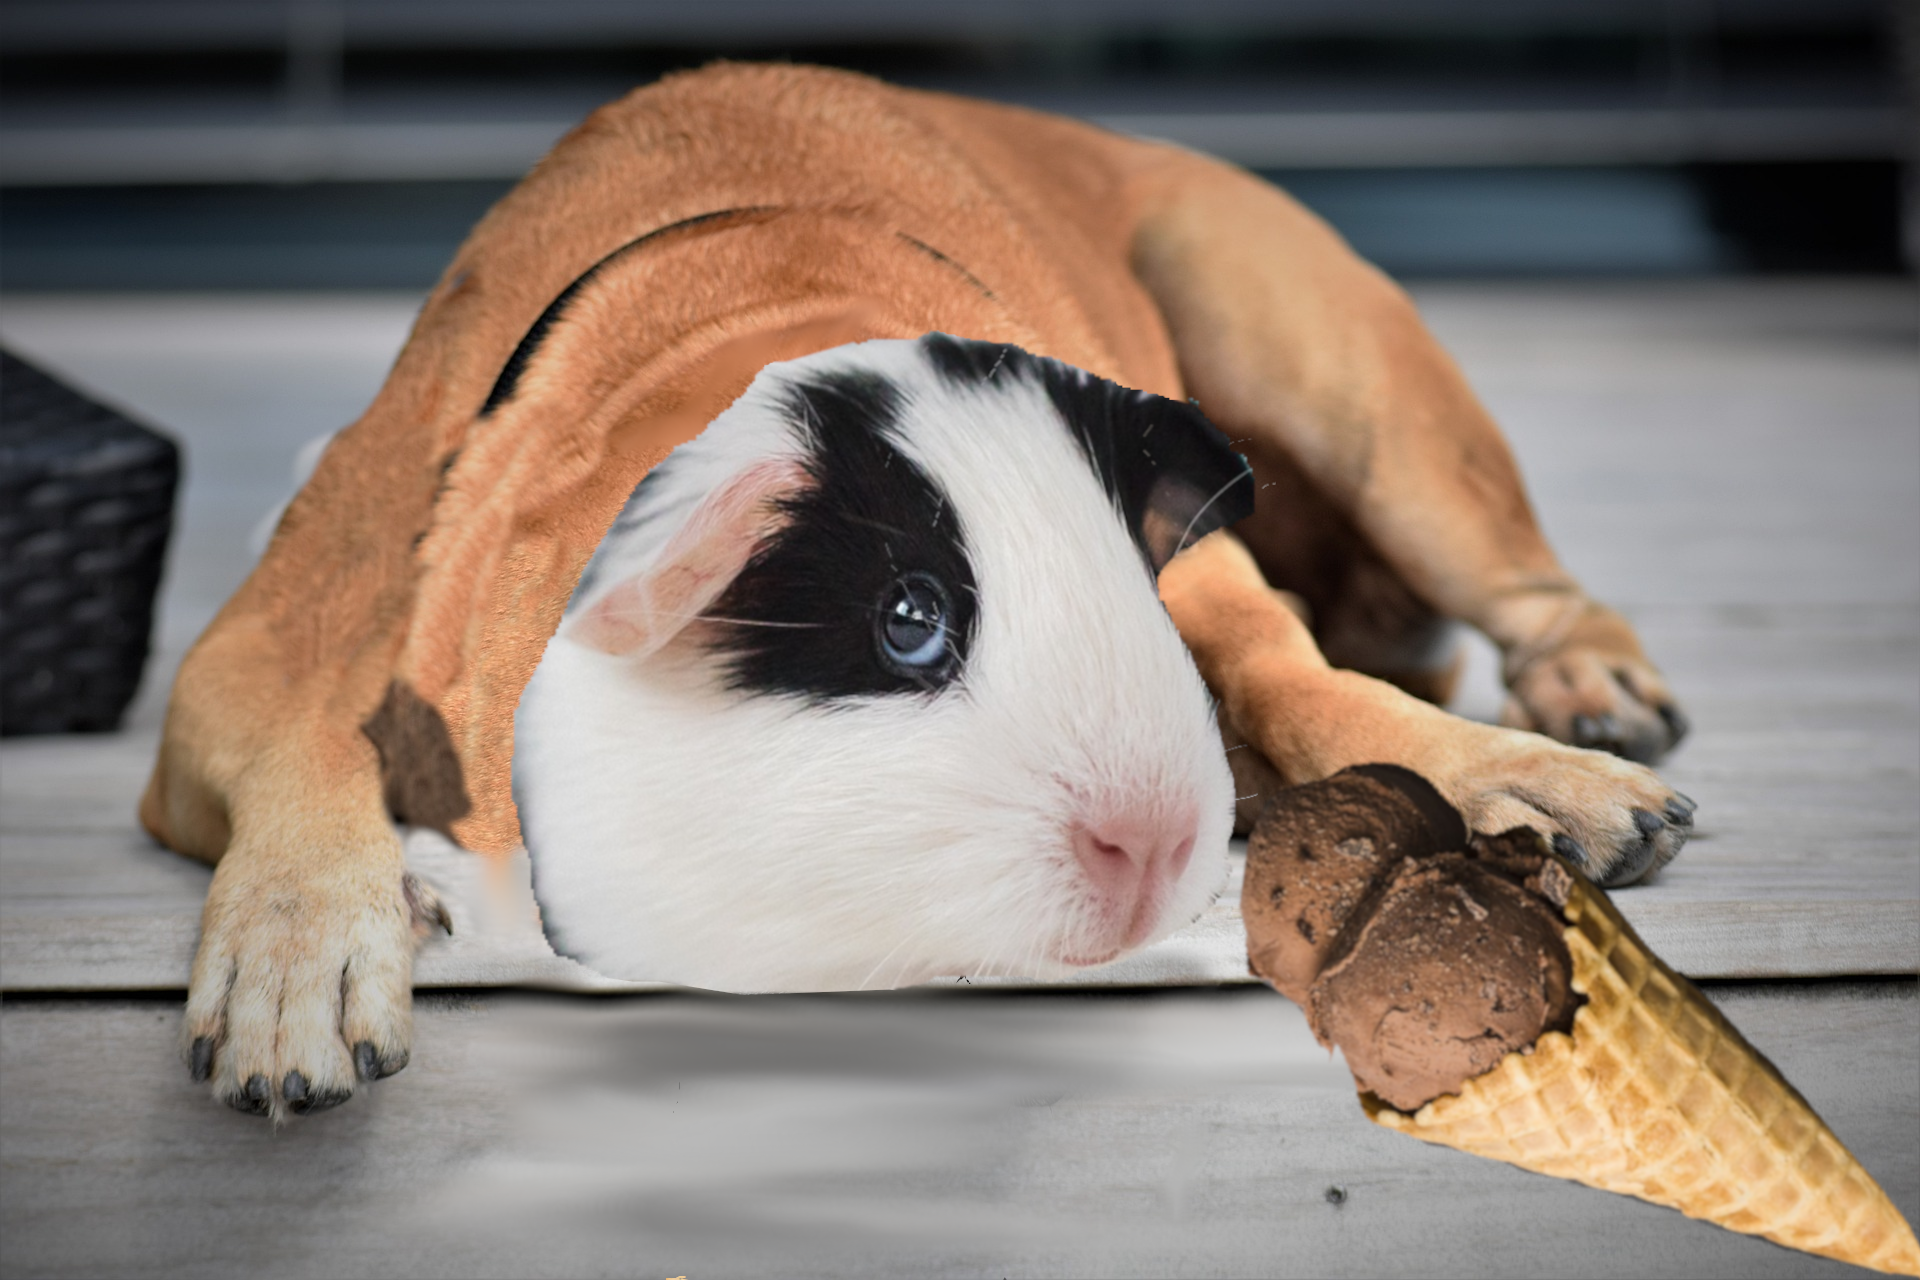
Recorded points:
(1426,955)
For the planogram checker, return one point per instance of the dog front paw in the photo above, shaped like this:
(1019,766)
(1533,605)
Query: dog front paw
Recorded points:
(1614,819)
(1590,685)
(302,986)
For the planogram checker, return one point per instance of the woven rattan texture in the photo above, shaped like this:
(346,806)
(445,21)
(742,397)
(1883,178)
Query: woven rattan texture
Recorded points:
(86,506)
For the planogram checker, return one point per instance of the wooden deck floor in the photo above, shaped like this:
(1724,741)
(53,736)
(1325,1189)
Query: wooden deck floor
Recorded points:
(1737,466)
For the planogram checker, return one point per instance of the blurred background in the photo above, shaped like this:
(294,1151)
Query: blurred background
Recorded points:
(344,144)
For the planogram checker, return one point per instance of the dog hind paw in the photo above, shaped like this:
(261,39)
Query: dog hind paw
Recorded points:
(1594,688)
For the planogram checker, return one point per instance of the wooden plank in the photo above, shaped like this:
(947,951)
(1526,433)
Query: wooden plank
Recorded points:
(86,912)
(1777,939)
(79,783)
(907,1135)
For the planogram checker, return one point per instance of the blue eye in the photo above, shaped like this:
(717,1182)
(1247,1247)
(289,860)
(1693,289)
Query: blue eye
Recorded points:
(914,633)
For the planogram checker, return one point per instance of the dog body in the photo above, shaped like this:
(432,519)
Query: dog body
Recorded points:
(630,290)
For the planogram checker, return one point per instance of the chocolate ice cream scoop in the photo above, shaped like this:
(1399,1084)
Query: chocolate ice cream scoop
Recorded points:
(1316,853)
(1425,954)
(1456,966)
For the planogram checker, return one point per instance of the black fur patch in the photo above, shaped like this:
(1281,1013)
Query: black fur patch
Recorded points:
(817,588)
(510,374)
(1169,471)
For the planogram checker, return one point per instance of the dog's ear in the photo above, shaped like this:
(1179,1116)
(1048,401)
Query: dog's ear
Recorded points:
(1170,472)
(642,613)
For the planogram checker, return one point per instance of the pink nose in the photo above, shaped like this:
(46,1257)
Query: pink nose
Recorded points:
(1129,859)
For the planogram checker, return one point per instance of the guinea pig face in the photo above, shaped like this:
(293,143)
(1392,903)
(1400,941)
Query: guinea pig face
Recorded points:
(870,683)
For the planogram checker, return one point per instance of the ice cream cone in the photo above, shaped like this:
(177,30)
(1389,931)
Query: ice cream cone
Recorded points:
(1654,1094)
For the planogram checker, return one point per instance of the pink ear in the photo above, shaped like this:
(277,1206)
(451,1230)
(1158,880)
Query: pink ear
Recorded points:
(639,616)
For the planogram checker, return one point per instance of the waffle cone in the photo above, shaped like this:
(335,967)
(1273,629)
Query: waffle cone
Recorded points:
(1655,1094)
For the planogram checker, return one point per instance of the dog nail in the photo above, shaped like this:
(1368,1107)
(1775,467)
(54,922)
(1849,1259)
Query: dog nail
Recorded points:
(1676,723)
(294,1087)
(1570,849)
(1638,861)
(1585,729)
(256,1100)
(200,1060)
(315,1102)
(371,1065)
(1649,824)
(1685,801)
(424,903)
(1678,814)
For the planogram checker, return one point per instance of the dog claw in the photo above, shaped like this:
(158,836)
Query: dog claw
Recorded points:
(256,1099)
(370,1065)
(1605,733)
(1640,858)
(425,903)
(1676,723)
(1572,850)
(200,1059)
(1638,861)
(304,1101)
(316,1102)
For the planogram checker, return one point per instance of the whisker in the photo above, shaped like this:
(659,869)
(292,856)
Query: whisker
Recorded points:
(882,962)
(1218,494)
(911,960)
(746,622)
(874,524)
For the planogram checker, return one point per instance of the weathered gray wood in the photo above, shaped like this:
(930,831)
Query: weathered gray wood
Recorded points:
(102,912)
(912,1134)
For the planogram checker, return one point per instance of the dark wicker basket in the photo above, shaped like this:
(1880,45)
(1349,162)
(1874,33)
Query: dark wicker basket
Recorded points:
(86,504)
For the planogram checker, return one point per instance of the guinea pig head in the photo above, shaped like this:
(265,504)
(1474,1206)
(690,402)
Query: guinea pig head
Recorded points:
(870,683)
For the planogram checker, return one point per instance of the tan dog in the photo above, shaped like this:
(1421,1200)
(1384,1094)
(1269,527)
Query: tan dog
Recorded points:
(624,294)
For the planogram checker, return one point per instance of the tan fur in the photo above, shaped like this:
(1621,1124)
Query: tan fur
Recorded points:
(414,582)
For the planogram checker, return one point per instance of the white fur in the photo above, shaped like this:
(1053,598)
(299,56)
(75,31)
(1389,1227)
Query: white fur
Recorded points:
(684,832)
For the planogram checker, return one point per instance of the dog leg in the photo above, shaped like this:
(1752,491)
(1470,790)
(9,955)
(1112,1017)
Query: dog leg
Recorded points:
(302,985)
(1314,362)
(1362,614)
(1309,720)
